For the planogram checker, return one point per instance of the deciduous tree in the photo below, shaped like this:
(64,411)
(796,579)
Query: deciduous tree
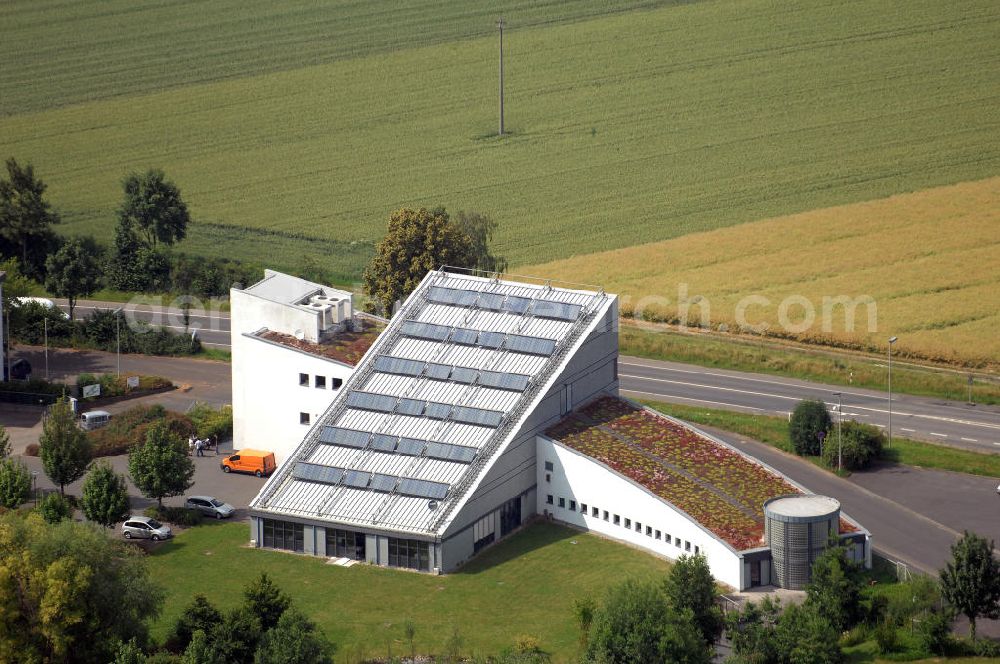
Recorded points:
(809,419)
(480,230)
(970,581)
(68,592)
(4,442)
(690,585)
(105,495)
(200,614)
(160,466)
(835,588)
(629,624)
(26,218)
(64,448)
(417,242)
(15,483)
(73,271)
(294,640)
(153,209)
(55,508)
(265,600)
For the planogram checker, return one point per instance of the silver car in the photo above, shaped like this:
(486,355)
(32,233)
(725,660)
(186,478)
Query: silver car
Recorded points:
(143,527)
(210,506)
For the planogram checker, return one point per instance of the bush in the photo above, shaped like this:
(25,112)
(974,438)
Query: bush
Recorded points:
(115,386)
(855,636)
(175,515)
(211,423)
(934,630)
(32,450)
(862,444)
(34,386)
(55,508)
(27,324)
(130,427)
(809,419)
(886,638)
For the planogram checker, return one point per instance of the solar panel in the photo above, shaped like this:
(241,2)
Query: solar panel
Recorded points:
(412,407)
(398,365)
(448,452)
(504,381)
(479,416)
(452,296)
(557,310)
(422,488)
(345,437)
(410,446)
(491,301)
(463,375)
(371,401)
(356,478)
(490,339)
(438,371)
(424,330)
(314,472)
(382,482)
(464,336)
(384,443)
(437,411)
(530,345)
(517,305)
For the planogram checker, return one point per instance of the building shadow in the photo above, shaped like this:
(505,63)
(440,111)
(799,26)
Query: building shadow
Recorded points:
(536,534)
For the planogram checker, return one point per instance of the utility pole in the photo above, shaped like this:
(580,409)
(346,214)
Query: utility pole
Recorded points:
(500,25)
(892,340)
(46,322)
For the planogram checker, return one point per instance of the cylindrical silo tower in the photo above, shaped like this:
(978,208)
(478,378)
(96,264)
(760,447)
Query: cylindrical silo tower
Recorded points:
(797,529)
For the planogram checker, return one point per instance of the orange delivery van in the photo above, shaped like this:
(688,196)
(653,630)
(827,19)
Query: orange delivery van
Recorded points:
(258,462)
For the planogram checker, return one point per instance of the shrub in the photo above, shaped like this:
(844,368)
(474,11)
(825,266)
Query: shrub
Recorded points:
(31,450)
(130,427)
(35,386)
(114,386)
(934,630)
(211,423)
(862,444)
(886,638)
(55,508)
(809,419)
(175,515)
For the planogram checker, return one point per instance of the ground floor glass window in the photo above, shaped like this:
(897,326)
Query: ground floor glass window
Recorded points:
(345,544)
(283,535)
(412,554)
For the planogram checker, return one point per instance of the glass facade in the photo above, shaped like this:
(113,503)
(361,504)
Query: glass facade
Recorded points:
(345,544)
(412,554)
(283,535)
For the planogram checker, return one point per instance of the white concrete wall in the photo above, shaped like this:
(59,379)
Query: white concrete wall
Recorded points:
(250,313)
(267,397)
(579,478)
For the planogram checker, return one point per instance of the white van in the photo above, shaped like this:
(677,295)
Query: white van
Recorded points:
(94,419)
(42,301)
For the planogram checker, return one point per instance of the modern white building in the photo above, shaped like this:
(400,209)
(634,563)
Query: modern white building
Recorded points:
(294,343)
(477,408)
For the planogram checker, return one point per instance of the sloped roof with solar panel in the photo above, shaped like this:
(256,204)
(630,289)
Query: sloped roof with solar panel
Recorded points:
(432,403)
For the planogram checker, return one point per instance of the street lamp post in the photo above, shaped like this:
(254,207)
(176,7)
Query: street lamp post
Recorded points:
(892,340)
(118,340)
(34,490)
(840,436)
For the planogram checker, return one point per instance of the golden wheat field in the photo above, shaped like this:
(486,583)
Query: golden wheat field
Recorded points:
(929,261)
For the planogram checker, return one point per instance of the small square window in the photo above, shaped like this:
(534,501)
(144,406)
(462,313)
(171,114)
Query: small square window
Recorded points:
(321,382)
(618,519)
(649,531)
(548,477)
(687,545)
(638,527)
(303,418)
(606,515)
(572,505)
(336,382)
(628,523)
(666,538)
(562,502)
(304,380)
(548,499)
(583,507)
(696,551)
(657,534)
(548,465)
(595,512)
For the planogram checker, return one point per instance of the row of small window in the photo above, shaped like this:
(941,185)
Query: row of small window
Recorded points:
(320,381)
(413,554)
(617,520)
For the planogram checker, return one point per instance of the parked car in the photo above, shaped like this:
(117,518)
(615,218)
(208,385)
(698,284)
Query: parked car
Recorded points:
(40,301)
(258,462)
(143,527)
(94,419)
(20,369)
(210,506)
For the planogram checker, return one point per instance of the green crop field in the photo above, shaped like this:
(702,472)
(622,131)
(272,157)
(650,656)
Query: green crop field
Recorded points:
(293,130)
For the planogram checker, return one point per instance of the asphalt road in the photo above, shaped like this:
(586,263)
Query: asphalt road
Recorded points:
(933,420)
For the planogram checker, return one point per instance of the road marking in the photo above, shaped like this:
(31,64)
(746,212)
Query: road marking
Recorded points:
(939,435)
(939,418)
(677,396)
(909,430)
(970,440)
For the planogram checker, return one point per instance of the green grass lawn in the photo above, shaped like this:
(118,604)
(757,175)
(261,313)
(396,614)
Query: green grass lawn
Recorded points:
(773,431)
(525,585)
(294,130)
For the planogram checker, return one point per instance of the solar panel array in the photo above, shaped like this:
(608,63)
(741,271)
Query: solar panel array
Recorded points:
(496,302)
(344,437)
(430,409)
(483,339)
(422,488)
(395,444)
(464,375)
(312,472)
(334,476)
